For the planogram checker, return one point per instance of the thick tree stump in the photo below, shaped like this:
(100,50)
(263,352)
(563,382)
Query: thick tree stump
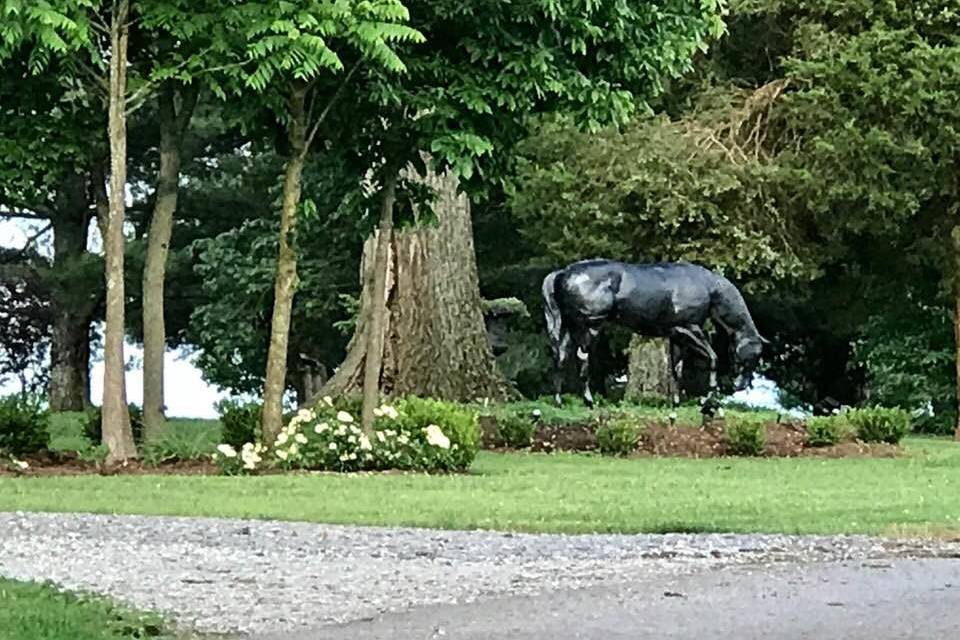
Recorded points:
(435,338)
(648,374)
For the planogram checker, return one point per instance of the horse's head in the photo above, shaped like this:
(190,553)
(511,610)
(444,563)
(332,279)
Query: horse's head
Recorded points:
(746,358)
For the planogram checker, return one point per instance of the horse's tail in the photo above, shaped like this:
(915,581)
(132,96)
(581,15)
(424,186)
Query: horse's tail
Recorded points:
(551,310)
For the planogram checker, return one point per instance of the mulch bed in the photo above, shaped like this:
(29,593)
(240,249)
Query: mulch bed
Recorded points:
(784,440)
(69,464)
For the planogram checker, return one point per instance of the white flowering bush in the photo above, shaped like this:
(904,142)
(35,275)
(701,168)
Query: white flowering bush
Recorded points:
(414,434)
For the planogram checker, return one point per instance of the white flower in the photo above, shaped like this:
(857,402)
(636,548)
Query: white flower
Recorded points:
(403,439)
(343,416)
(21,464)
(306,415)
(320,428)
(391,433)
(282,438)
(227,450)
(378,413)
(390,412)
(536,413)
(341,431)
(354,428)
(250,465)
(365,443)
(436,437)
(327,400)
(333,446)
(281,454)
(302,439)
(344,457)
(352,456)
(352,439)
(381,437)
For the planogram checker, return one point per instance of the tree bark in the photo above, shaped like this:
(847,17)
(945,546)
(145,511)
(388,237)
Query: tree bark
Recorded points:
(649,374)
(173,125)
(286,277)
(375,338)
(117,435)
(956,321)
(69,385)
(436,341)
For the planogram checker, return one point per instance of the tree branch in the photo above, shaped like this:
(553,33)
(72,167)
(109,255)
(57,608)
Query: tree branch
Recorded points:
(326,109)
(36,236)
(21,209)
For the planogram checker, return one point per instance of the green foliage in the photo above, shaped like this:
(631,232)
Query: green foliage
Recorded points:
(240,420)
(24,424)
(826,431)
(42,612)
(515,430)
(92,427)
(909,355)
(879,424)
(619,436)
(183,440)
(745,437)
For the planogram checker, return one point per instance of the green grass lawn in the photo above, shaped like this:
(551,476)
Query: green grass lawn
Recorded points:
(38,612)
(561,493)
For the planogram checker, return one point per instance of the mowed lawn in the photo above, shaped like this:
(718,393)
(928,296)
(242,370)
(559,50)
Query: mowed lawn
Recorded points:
(31,611)
(558,493)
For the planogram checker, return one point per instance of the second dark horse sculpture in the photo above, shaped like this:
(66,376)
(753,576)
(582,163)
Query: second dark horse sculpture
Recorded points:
(670,300)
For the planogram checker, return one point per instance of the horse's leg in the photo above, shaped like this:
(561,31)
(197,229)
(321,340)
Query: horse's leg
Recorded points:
(584,339)
(695,337)
(676,369)
(561,351)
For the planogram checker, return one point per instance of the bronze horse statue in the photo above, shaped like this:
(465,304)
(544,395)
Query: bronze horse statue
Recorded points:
(668,300)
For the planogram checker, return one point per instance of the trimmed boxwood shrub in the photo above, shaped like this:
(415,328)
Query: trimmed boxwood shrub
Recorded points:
(619,436)
(746,437)
(825,431)
(515,430)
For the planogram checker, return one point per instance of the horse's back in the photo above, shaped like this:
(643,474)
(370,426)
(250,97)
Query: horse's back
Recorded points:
(645,297)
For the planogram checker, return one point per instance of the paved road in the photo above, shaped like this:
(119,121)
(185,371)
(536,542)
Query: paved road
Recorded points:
(873,600)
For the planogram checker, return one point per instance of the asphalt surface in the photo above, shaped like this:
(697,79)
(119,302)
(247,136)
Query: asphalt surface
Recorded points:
(870,600)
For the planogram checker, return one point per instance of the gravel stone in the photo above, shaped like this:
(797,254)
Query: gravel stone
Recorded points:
(239,576)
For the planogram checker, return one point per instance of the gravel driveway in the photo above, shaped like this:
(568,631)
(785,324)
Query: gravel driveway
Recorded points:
(266,577)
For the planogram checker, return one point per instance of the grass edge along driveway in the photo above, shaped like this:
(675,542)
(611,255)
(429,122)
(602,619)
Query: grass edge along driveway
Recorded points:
(562,493)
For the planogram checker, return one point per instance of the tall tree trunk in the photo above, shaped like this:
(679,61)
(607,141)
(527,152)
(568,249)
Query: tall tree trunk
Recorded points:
(436,341)
(956,320)
(117,435)
(286,278)
(649,374)
(69,385)
(172,128)
(375,338)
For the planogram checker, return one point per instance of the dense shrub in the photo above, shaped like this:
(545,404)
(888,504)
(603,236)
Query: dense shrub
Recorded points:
(825,431)
(240,422)
(416,434)
(93,429)
(746,437)
(879,424)
(619,436)
(24,425)
(515,430)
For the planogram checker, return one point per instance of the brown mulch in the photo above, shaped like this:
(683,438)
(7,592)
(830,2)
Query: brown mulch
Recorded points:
(784,440)
(69,464)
